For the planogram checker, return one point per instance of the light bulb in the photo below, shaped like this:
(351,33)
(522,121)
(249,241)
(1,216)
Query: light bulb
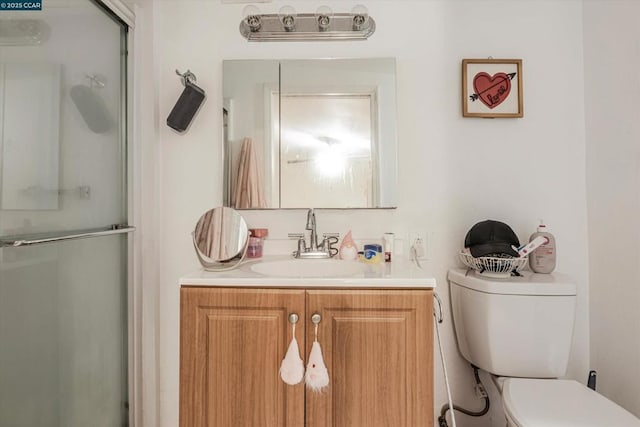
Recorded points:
(330,162)
(323,16)
(251,16)
(288,16)
(360,17)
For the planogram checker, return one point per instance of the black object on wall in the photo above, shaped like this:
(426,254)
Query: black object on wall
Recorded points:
(187,105)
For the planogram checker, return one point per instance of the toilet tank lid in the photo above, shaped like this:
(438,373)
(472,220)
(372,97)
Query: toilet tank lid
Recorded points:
(527,284)
(537,402)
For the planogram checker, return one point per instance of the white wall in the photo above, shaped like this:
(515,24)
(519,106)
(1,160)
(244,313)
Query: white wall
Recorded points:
(612,90)
(453,171)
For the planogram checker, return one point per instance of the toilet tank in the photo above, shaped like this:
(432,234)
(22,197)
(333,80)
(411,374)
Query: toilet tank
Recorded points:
(516,326)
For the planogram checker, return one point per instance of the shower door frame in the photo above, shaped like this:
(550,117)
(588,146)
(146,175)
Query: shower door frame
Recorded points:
(131,160)
(130,137)
(134,246)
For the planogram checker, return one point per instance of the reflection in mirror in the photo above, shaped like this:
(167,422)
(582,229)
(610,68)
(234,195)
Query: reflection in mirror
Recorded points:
(310,133)
(220,238)
(315,158)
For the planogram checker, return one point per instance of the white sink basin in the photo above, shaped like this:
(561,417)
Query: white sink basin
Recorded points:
(309,268)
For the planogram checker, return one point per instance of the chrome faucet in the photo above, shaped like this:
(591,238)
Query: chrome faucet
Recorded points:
(314,250)
(311,226)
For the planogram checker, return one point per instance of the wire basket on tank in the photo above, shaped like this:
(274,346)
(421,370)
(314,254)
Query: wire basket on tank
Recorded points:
(493,266)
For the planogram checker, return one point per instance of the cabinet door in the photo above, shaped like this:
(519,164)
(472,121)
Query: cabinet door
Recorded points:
(377,346)
(232,342)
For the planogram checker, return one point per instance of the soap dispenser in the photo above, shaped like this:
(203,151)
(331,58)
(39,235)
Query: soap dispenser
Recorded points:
(543,259)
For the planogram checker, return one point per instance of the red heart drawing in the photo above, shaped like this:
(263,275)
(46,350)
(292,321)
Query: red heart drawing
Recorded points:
(492,90)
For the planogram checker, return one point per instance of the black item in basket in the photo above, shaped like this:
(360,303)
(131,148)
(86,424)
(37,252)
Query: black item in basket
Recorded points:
(492,238)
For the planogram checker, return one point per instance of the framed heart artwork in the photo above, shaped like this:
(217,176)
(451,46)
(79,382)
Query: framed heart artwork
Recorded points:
(492,88)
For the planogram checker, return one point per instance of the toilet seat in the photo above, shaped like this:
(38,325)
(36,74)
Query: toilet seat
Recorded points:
(560,403)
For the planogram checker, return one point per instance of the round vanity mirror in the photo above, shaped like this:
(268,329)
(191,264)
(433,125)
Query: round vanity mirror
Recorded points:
(220,239)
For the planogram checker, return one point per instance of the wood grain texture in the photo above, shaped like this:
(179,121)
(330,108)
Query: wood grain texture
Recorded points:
(378,348)
(232,342)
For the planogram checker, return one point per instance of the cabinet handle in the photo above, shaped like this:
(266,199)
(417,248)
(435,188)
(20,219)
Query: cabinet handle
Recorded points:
(316,318)
(293,318)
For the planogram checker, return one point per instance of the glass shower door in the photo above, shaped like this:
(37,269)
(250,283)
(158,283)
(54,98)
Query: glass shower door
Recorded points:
(63,217)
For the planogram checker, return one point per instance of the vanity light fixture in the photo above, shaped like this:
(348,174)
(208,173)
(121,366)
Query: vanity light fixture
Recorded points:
(251,18)
(323,16)
(360,17)
(323,25)
(287,16)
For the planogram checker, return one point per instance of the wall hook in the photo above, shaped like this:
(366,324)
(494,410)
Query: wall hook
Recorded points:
(187,78)
(96,80)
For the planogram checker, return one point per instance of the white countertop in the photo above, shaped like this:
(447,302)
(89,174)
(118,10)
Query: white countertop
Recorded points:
(399,273)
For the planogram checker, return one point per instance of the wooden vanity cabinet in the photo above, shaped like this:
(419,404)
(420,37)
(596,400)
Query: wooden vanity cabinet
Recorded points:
(377,345)
(378,348)
(231,344)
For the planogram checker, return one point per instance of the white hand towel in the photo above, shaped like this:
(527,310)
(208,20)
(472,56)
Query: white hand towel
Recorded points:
(317,376)
(292,367)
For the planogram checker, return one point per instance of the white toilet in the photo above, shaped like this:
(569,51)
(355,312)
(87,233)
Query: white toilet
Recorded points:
(520,328)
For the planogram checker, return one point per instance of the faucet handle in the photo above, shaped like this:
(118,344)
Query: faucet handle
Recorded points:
(329,240)
(302,247)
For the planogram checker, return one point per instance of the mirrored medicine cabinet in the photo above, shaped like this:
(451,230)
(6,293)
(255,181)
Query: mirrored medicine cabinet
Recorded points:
(310,133)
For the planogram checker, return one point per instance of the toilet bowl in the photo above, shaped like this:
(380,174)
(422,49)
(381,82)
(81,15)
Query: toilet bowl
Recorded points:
(519,329)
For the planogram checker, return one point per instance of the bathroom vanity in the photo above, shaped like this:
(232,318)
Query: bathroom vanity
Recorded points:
(375,330)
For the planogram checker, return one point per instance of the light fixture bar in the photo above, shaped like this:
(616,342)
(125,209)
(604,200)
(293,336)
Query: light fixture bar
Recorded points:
(307,29)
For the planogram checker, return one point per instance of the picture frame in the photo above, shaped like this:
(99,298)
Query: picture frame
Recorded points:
(492,88)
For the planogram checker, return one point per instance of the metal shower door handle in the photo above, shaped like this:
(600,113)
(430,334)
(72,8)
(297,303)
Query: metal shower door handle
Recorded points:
(36,239)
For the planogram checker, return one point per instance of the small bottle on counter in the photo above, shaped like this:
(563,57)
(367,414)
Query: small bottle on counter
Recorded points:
(388,246)
(256,241)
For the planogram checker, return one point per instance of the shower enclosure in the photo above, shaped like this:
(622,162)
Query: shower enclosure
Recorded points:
(63,217)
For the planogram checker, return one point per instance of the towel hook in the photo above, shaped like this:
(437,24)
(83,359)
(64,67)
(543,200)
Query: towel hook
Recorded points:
(96,80)
(187,78)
